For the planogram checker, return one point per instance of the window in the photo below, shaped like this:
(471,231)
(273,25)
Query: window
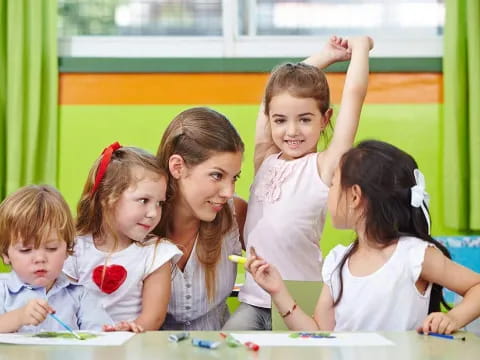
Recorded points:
(245,28)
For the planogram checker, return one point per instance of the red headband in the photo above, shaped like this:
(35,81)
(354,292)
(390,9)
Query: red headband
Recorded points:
(102,168)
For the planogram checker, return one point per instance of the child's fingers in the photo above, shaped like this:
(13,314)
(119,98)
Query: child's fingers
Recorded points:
(136,328)
(434,325)
(44,306)
(439,325)
(344,43)
(249,262)
(263,269)
(253,253)
(425,328)
(451,328)
(108,328)
(255,265)
(370,42)
(36,316)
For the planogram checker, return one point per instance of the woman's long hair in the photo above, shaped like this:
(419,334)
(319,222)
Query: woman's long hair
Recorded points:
(196,135)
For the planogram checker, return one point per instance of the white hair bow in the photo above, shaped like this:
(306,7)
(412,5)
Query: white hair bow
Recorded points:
(420,197)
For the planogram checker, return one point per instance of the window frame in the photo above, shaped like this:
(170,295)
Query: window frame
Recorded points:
(233,45)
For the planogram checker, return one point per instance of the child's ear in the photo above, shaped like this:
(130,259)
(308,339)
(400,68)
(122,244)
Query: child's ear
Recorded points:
(176,166)
(6,260)
(356,195)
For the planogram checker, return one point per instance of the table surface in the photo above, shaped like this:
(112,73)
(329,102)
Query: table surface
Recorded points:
(155,345)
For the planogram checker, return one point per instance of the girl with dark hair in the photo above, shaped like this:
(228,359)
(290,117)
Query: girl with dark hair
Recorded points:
(391,277)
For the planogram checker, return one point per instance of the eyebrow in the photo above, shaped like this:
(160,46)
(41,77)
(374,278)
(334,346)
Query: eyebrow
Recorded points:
(147,195)
(303,114)
(223,171)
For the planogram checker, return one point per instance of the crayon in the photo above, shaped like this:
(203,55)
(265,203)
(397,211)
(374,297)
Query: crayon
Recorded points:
(446,336)
(252,346)
(205,343)
(237,259)
(178,336)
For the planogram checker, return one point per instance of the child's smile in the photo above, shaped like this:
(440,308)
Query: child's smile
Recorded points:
(296,125)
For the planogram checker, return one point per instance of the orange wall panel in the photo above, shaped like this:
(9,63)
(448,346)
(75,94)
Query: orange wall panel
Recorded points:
(229,88)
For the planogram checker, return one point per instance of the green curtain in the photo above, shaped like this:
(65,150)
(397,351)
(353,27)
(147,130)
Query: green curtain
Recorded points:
(28,93)
(461,119)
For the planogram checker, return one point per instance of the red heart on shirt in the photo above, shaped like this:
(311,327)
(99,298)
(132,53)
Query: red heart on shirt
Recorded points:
(110,279)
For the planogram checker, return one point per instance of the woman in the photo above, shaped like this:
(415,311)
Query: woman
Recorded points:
(203,153)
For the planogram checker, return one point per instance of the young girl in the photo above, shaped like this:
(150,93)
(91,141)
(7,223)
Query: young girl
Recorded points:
(115,257)
(287,206)
(36,236)
(203,153)
(391,277)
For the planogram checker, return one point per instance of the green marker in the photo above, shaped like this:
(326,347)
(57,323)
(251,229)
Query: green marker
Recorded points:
(237,259)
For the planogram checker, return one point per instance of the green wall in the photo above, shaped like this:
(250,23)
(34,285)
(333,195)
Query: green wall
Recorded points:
(86,130)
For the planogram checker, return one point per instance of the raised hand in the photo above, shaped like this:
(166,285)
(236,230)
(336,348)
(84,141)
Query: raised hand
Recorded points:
(266,275)
(360,40)
(337,49)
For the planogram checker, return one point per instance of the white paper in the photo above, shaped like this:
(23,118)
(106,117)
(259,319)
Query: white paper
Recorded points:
(341,339)
(102,339)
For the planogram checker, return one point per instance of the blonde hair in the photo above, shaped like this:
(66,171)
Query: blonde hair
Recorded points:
(31,214)
(196,135)
(95,211)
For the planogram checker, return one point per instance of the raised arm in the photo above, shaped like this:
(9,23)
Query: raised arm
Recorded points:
(353,95)
(336,49)
(438,269)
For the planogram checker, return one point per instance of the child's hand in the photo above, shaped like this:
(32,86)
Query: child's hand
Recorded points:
(266,275)
(363,41)
(438,322)
(336,49)
(124,326)
(35,312)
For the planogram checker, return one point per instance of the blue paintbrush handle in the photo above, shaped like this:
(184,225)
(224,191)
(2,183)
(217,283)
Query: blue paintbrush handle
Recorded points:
(69,329)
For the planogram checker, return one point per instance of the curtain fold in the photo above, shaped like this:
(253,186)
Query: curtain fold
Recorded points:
(28,94)
(461,120)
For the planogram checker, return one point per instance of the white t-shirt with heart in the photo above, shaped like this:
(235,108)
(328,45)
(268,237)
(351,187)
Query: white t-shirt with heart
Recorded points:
(119,287)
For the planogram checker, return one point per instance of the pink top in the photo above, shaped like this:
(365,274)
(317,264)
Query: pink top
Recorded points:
(285,219)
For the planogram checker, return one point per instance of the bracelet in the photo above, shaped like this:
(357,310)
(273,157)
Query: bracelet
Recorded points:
(284,315)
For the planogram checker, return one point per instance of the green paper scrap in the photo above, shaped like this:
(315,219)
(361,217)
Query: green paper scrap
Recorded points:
(65,335)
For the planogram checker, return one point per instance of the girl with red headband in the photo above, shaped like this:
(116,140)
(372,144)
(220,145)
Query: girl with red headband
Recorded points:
(115,255)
